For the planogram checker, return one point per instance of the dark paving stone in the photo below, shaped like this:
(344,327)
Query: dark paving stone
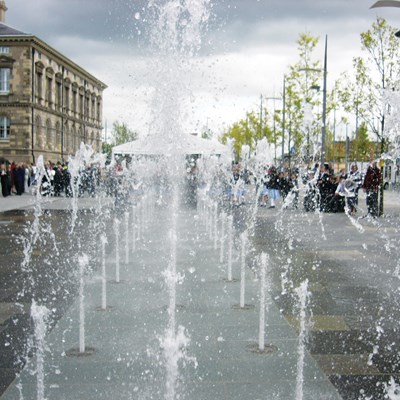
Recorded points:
(334,342)
(387,363)
(7,376)
(361,387)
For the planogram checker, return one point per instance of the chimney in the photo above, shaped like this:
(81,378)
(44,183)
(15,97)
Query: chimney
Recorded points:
(3,9)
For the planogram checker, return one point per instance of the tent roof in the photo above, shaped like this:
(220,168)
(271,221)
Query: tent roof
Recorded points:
(189,144)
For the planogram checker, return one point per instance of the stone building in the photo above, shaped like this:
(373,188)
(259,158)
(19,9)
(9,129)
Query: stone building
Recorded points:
(48,104)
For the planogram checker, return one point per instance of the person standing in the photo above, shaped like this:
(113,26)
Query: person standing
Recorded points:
(352,184)
(5,180)
(325,188)
(274,186)
(371,186)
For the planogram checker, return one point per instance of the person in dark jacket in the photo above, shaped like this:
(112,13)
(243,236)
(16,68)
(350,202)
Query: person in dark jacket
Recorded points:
(274,186)
(19,179)
(372,182)
(5,180)
(58,180)
(324,185)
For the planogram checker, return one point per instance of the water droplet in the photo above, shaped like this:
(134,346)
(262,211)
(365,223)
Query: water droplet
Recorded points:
(137,15)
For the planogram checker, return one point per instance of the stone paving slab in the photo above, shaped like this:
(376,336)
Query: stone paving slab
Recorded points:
(128,360)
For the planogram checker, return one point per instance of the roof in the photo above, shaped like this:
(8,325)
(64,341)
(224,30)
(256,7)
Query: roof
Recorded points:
(6,30)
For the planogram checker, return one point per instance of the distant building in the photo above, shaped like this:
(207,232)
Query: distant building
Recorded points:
(48,104)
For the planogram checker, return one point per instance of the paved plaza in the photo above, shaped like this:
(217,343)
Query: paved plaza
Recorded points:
(351,265)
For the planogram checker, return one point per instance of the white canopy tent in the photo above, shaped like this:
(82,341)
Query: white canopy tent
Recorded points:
(188,145)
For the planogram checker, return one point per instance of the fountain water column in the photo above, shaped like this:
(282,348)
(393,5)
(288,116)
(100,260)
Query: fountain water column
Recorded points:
(133,228)
(303,295)
(127,237)
(222,238)
(243,238)
(204,211)
(206,215)
(211,217)
(143,214)
(103,273)
(117,266)
(139,220)
(230,246)
(83,264)
(39,315)
(215,225)
(263,274)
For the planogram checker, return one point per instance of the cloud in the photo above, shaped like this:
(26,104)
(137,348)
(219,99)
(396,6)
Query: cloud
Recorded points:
(247,47)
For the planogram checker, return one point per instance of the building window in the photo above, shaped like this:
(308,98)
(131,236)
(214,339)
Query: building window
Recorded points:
(58,95)
(93,108)
(81,105)
(39,86)
(4,50)
(98,109)
(86,111)
(4,128)
(5,80)
(38,131)
(49,93)
(66,104)
(49,135)
(58,136)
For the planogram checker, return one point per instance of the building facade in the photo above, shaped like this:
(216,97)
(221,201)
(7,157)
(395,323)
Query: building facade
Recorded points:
(48,104)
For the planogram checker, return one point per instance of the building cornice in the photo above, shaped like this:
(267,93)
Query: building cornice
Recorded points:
(39,44)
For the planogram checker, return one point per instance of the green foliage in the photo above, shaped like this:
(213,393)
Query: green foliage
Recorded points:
(248,132)
(122,134)
(358,94)
(382,66)
(361,145)
(106,148)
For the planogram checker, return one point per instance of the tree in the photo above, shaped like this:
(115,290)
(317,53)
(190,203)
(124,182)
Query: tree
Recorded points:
(383,51)
(122,134)
(383,67)
(302,98)
(249,131)
(362,144)
(355,95)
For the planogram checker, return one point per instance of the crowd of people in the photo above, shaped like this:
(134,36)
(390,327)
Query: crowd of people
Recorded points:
(332,192)
(16,178)
(324,190)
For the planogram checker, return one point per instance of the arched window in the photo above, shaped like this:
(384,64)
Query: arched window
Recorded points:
(39,68)
(49,135)
(73,140)
(79,139)
(58,136)
(66,138)
(58,91)
(67,95)
(4,127)
(38,131)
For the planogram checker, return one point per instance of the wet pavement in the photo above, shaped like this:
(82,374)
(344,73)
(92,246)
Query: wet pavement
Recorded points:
(352,266)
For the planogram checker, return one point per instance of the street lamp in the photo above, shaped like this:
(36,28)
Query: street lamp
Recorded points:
(387,3)
(315,87)
(274,124)
(307,103)
(324,102)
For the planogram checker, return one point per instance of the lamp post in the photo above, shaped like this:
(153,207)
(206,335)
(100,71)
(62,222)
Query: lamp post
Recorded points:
(307,102)
(323,133)
(283,118)
(325,71)
(274,124)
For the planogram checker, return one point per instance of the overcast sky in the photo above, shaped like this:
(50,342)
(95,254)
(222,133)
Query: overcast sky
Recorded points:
(246,49)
